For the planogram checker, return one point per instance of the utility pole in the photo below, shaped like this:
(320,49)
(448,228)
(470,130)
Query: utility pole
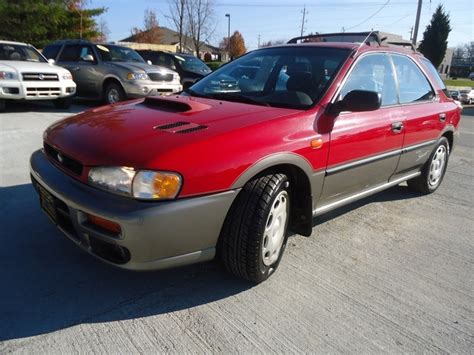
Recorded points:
(302,22)
(417,22)
(258,41)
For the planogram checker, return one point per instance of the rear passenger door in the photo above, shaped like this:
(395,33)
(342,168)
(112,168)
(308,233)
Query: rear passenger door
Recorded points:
(364,146)
(422,118)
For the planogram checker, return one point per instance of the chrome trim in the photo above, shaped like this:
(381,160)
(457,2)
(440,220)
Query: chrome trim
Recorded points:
(416,146)
(364,161)
(362,194)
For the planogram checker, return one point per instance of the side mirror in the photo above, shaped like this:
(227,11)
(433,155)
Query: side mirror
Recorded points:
(51,61)
(88,58)
(357,101)
(149,62)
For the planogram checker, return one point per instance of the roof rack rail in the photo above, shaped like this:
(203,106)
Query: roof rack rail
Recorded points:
(351,37)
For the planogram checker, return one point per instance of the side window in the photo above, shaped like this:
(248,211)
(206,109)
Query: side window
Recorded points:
(70,53)
(373,73)
(433,72)
(51,51)
(164,61)
(86,51)
(412,83)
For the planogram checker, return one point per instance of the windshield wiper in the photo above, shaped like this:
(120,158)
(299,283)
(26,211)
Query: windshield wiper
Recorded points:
(237,98)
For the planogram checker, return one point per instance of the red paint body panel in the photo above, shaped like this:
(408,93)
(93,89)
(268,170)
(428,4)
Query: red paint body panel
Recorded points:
(239,135)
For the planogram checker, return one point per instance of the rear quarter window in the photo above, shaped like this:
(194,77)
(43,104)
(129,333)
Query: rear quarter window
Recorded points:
(429,67)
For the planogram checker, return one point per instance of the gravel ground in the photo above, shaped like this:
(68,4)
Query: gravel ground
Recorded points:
(391,273)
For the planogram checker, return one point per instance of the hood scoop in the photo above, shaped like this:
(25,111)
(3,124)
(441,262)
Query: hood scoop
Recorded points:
(176,104)
(180,127)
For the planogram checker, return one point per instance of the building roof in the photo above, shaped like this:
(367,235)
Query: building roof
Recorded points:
(170,37)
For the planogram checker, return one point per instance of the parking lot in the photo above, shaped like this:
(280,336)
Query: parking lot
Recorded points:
(391,273)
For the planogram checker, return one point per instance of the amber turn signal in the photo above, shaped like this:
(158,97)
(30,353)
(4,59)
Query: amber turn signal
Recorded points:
(104,223)
(156,185)
(316,143)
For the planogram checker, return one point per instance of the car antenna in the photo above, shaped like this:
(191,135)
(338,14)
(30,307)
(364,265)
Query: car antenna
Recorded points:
(362,43)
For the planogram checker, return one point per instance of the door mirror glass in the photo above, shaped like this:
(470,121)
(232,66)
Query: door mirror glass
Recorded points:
(358,101)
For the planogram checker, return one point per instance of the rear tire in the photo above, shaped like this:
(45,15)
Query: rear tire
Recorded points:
(434,169)
(254,234)
(63,103)
(114,93)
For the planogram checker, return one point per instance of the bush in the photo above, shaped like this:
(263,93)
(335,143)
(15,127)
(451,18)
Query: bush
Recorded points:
(214,65)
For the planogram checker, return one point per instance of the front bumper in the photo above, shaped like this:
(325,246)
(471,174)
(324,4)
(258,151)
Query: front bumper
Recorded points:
(135,89)
(36,90)
(155,235)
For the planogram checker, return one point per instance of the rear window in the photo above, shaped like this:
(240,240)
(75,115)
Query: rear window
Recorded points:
(429,67)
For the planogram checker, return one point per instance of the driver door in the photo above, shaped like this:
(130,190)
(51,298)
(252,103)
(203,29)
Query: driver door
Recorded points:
(364,146)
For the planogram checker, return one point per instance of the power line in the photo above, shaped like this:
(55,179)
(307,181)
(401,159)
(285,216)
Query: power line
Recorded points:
(368,18)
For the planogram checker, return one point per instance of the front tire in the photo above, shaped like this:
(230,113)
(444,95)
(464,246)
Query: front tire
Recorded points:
(114,93)
(433,171)
(255,232)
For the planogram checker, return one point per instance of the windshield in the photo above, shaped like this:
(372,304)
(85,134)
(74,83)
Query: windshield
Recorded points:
(193,64)
(293,77)
(20,53)
(110,53)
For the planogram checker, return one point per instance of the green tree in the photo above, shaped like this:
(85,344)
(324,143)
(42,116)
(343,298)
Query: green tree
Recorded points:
(40,22)
(435,38)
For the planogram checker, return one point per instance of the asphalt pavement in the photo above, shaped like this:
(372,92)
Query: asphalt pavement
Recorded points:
(389,274)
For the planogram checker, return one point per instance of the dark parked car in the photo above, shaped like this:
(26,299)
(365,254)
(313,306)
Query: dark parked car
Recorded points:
(188,66)
(113,73)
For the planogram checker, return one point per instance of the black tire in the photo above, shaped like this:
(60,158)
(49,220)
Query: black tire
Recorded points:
(63,103)
(3,105)
(241,245)
(114,93)
(424,183)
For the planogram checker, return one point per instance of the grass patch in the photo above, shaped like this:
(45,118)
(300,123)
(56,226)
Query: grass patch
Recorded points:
(459,82)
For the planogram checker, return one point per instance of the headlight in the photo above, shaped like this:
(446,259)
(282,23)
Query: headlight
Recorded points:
(67,76)
(8,75)
(137,76)
(142,184)
(176,77)
(156,185)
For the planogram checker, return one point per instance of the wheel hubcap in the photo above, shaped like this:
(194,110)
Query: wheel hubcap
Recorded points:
(437,165)
(275,227)
(113,96)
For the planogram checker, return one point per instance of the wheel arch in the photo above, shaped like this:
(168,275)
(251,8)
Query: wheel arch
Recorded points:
(300,173)
(107,81)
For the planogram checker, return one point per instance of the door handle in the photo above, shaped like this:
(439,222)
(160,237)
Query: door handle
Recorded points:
(76,69)
(397,127)
(442,117)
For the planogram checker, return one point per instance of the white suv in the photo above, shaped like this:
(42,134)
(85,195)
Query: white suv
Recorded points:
(26,75)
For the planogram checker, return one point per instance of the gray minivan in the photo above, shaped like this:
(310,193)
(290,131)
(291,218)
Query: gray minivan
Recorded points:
(111,72)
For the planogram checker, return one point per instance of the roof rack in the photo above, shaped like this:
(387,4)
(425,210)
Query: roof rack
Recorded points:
(350,37)
(369,38)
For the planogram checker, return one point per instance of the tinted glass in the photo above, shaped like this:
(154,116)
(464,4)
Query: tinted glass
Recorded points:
(413,85)
(433,72)
(373,73)
(109,53)
(280,76)
(193,64)
(18,52)
(70,53)
(51,51)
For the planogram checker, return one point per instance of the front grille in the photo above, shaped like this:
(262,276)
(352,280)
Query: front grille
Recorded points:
(40,77)
(160,77)
(64,161)
(42,92)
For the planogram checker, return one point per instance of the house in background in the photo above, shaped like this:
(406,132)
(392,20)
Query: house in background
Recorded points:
(169,41)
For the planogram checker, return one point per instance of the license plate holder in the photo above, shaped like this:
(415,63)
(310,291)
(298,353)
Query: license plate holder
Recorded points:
(47,203)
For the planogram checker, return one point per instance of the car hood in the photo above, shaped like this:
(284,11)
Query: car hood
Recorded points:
(22,66)
(137,133)
(141,67)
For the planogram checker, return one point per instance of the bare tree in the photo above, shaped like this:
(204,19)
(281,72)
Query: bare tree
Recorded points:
(272,43)
(178,17)
(103,30)
(150,21)
(151,32)
(200,15)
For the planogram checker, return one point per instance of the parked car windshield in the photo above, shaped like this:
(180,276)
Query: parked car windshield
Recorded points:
(110,53)
(20,53)
(292,77)
(193,64)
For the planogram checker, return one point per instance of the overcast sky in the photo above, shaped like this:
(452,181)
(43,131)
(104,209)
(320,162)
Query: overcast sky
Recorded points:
(278,19)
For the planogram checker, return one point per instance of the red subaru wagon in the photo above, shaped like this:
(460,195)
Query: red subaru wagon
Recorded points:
(248,155)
